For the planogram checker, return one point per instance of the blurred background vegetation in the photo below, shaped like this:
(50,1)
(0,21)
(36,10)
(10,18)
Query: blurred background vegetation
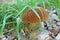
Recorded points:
(11,12)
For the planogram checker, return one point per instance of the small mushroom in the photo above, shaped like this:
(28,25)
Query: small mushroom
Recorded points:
(30,18)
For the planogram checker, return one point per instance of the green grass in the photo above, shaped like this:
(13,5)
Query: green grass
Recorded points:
(16,11)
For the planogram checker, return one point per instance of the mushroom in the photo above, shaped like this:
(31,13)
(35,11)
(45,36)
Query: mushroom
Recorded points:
(30,17)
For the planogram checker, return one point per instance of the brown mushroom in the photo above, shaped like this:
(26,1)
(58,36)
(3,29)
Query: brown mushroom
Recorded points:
(30,17)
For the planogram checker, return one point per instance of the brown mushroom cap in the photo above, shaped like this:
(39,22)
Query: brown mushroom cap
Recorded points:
(30,16)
